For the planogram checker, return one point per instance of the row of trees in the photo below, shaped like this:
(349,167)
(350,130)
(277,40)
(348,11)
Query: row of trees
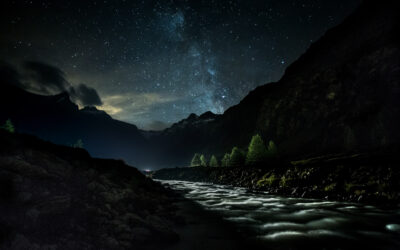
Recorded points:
(256,153)
(200,160)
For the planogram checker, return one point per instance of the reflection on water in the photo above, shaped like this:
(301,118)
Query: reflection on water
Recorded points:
(293,223)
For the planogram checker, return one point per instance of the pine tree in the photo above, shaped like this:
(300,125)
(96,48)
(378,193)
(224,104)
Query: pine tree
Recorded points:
(237,157)
(214,161)
(203,161)
(8,126)
(225,160)
(195,160)
(257,151)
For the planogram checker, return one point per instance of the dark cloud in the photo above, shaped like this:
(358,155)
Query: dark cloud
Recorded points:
(45,78)
(85,95)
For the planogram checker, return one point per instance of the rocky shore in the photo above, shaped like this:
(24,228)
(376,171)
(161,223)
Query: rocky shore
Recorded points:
(369,177)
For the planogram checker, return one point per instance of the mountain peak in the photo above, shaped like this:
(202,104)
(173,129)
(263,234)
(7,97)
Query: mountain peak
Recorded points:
(192,116)
(208,115)
(92,110)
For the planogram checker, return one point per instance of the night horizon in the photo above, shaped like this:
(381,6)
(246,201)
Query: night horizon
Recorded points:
(153,64)
(210,124)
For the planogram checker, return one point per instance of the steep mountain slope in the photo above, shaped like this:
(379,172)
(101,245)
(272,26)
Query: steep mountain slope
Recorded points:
(342,95)
(57,119)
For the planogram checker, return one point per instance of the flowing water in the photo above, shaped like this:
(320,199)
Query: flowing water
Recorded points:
(297,223)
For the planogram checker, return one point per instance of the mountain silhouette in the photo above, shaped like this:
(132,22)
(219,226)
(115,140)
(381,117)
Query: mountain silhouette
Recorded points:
(341,95)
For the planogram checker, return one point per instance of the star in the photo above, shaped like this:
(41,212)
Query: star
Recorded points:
(170,58)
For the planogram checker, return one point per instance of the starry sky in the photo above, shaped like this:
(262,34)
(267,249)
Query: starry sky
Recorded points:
(152,63)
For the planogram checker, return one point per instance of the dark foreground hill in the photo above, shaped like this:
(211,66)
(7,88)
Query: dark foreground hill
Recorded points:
(56,197)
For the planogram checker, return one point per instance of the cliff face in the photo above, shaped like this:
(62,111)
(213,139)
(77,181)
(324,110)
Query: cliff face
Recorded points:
(342,95)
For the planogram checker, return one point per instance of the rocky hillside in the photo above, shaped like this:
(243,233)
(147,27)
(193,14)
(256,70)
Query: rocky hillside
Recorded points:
(57,197)
(342,95)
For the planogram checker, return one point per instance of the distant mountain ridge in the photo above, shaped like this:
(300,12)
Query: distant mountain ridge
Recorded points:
(57,119)
(341,95)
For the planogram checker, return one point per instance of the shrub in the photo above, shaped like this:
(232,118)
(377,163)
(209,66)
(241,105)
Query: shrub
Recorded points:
(271,180)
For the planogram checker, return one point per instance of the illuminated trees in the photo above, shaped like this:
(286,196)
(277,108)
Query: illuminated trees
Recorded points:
(225,160)
(237,157)
(195,160)
(203,161)
(214,161)
(257,151)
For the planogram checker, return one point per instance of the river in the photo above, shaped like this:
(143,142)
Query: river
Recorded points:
(297,223)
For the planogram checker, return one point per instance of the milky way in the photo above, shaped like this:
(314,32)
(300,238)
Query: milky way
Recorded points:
(155,62)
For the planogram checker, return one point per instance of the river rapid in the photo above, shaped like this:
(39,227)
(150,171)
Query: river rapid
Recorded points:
(278,222)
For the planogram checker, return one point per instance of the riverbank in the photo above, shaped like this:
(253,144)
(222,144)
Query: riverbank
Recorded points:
(368,178)
(204,229)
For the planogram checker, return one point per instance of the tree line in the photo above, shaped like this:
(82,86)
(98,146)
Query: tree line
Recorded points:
(256,153)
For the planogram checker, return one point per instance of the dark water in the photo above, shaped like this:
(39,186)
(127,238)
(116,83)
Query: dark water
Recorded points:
(297,223)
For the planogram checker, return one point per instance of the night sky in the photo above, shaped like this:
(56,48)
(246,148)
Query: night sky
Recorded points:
(153,63)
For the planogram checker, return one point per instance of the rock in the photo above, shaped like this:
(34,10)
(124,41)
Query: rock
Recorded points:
(24,196)
(141,234)
(33,214)
(20,242)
